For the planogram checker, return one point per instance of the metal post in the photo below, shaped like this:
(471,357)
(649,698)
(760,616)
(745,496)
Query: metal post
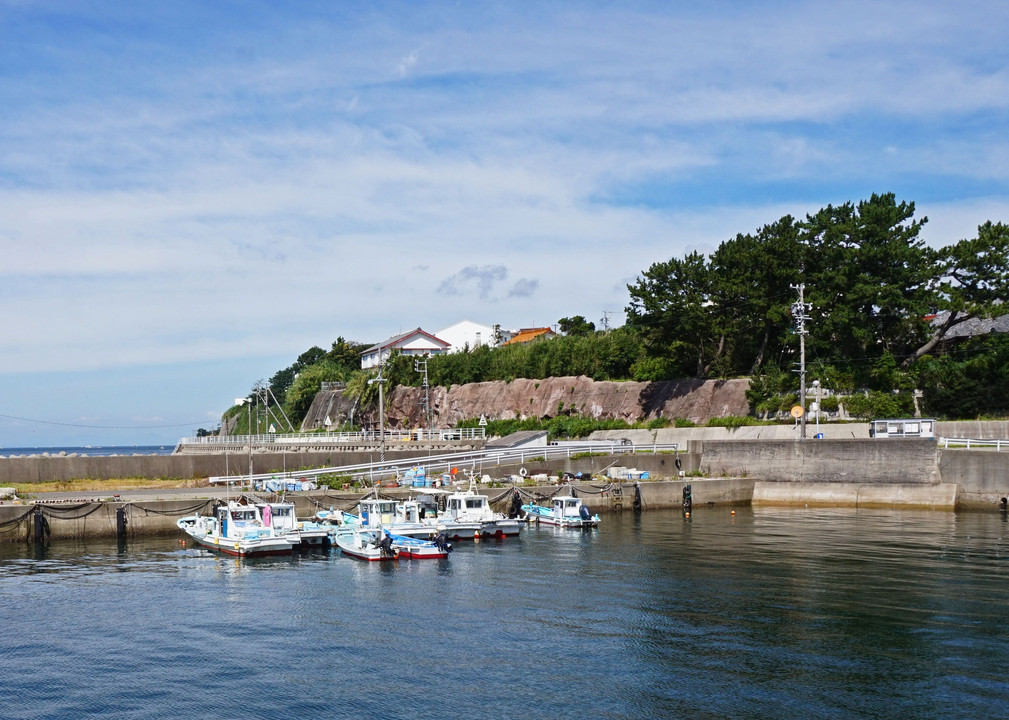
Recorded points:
(799,313)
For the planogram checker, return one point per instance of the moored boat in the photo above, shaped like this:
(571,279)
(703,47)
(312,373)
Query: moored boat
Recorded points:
(302,533)
(236,529)
(418,549)
(464,509)
(370,545)
(565,511)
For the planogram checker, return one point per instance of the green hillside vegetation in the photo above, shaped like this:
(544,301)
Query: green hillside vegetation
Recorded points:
(883,308)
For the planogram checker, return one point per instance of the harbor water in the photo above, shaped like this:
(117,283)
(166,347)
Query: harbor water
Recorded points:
(767,613)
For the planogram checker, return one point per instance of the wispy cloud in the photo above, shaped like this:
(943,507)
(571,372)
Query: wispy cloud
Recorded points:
(169,172)
(480,281)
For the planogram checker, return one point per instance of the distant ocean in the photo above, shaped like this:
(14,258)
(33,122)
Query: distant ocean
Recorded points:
(90,450)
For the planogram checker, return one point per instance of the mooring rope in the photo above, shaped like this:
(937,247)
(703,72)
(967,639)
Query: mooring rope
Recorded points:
(178,512)
(15,522)
(57,511)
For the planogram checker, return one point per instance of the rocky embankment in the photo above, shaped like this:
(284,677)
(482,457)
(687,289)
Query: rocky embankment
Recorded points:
(694,400)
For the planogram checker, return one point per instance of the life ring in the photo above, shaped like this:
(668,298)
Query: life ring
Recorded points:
(523,472)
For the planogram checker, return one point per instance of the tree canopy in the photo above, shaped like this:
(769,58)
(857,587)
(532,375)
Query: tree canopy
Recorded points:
(883,311)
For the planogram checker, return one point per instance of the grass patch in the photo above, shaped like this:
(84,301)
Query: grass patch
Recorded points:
(99,485)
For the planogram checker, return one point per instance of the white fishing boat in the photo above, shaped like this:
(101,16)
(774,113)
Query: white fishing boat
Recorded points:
(370,545)
(564,511)
(302,533)
(399,517)
(236,529)
(469,507)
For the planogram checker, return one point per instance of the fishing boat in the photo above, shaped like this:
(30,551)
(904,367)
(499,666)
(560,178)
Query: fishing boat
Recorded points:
(418,549)
(565,511)
(399,517)
(236,529)
(370,545)
(302,533)
(465,508)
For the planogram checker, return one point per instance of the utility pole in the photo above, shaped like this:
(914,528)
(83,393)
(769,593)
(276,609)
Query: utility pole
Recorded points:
(381,407)
(799,310)
(421,366)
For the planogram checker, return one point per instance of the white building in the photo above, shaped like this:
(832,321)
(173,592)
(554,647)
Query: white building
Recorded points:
(467,334)
(416,342)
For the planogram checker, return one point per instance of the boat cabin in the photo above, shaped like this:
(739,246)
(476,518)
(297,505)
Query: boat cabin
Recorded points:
(466,505)
(377,513)
(567,506)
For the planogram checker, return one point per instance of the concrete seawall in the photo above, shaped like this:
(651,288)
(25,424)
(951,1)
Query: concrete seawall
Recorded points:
(157,516)
(824,461)
(981,477)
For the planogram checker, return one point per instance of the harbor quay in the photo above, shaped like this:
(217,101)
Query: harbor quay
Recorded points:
(913,473)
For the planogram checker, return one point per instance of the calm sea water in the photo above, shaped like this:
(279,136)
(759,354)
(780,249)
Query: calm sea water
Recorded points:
(765,614)
(90,450)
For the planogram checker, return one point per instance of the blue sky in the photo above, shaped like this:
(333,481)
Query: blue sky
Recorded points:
(193,193)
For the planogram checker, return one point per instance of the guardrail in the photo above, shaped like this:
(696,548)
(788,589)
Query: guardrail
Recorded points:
(391,436)
(474,461)
(969,443)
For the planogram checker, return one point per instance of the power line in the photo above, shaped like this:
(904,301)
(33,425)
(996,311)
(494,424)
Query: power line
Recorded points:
(99,427)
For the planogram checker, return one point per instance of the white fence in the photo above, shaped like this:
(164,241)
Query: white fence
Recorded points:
(308,439)
(473,462)
(969,443)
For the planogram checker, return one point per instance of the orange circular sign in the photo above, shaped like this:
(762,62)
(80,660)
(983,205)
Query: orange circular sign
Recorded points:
(797,411)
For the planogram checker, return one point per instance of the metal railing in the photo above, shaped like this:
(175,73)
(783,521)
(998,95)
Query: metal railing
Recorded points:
(368,436)
(969,443)
(474,461)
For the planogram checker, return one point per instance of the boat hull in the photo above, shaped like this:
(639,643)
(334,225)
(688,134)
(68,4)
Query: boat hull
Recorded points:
(354,546)
(202,531)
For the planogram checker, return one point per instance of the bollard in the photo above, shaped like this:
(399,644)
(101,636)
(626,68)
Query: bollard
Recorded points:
(121,522)
(41,526)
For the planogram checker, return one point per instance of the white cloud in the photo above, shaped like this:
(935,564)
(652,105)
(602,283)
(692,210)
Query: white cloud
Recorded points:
(195,196)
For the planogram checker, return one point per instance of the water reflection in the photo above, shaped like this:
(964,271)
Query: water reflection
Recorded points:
(765,613)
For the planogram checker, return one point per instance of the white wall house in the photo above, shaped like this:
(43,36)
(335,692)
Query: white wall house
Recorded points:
(415,342)
(467,334)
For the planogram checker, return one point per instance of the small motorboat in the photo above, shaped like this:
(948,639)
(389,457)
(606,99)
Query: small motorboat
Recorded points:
(565,511)
(370,545)
(462,509)
(418,549)
(236,529)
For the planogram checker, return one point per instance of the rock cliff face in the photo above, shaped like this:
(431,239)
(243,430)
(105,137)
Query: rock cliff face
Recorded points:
(694,400)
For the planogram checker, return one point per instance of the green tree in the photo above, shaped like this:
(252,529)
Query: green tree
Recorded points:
(972,281)
(669,307)
(307,385)
(576,325)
